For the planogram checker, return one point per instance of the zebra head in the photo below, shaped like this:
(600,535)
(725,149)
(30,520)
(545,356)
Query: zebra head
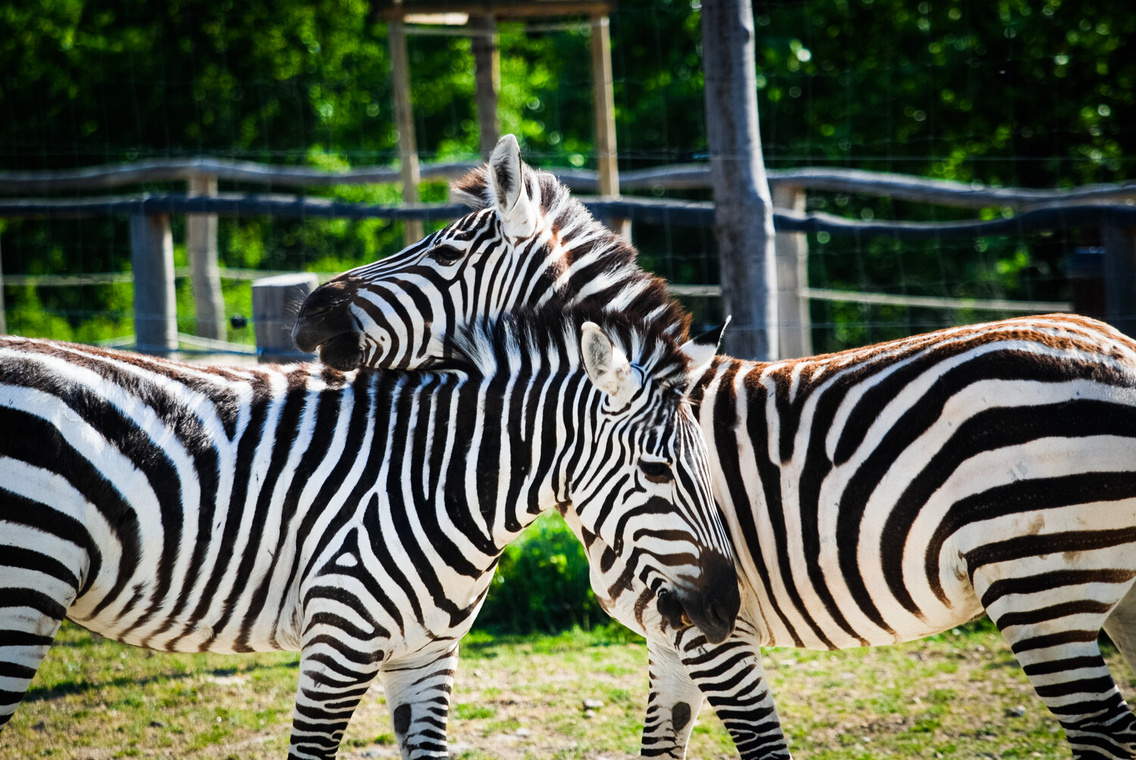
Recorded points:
(527,243)
(633,470)
(668,473)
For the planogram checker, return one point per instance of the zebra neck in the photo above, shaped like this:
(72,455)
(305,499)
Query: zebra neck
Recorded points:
(536,445)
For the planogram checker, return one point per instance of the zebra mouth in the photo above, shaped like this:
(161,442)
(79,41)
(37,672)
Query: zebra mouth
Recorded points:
(341,352)
(712,606)
(672,610)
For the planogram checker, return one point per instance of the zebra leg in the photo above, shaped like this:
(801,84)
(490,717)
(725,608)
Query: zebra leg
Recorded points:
(732,678)
(29,622)
(418,691)
(673,703)
(1057,647)
(36,589)
(332,681)
(1121,627)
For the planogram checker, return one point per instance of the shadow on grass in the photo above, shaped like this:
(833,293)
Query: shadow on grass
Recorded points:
(47,693)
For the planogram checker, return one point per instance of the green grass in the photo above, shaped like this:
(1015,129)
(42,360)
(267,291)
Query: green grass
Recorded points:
(951,696)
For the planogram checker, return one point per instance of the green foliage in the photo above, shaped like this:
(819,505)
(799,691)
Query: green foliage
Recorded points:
(1016,92)
(541,584)
(1035,93)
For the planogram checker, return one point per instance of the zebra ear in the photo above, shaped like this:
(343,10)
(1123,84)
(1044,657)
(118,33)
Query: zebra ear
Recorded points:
(507,183)
(605,363)
(700,351)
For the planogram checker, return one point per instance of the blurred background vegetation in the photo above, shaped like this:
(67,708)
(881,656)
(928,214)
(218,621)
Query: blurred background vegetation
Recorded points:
(1029,93)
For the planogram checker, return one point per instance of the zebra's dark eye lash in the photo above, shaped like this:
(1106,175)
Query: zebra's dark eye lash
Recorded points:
(445,254)
(657,472)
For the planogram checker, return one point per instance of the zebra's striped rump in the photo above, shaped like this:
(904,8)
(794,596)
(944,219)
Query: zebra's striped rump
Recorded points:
(887,493)
(356,517)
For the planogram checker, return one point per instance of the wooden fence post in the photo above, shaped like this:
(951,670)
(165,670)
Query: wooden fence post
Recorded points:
(275,302)
(155,306)
(795,328)
(3,319)
(603,97)
(201,240)
(1085,271)
(743,208)
(412,229)
(1120,277)
(487,73)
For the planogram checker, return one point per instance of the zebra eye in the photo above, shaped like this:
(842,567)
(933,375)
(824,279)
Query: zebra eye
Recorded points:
(657,472)
(445,254)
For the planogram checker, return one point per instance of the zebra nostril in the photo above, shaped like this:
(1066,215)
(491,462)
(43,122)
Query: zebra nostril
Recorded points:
(720,615)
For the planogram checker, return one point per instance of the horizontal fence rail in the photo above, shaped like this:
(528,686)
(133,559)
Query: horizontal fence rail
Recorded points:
(226,204)
(1110,208)
(643,210)
(173,170)
(938,192)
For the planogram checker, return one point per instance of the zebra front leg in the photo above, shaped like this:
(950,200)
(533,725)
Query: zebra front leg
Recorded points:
(332,681)
(732,678)
(418,690)
(672,705)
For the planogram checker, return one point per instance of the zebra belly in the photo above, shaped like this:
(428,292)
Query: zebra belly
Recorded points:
(204,598)
(815,627)
(167,623)
(976,533)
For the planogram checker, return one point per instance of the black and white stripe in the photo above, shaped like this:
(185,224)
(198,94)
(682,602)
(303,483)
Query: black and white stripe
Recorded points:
(873,496)
(356,517)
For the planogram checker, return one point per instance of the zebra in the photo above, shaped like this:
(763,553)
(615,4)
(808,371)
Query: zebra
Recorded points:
(355,517)
(873,496)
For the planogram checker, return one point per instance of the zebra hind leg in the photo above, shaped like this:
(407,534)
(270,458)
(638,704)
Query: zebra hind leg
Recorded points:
(1056,645)
(33,602)
(1121,628)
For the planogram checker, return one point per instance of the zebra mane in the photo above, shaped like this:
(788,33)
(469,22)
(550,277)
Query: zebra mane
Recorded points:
(614,271)
(549,336)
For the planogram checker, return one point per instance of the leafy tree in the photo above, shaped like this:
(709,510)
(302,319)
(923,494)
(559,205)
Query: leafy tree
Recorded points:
(1022,92)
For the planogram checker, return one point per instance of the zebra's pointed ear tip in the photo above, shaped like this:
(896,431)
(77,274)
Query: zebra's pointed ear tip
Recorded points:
(713,337)
(506,173)
(507,149)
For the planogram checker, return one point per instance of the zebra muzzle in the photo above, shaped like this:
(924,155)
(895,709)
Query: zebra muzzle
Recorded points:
(712,606)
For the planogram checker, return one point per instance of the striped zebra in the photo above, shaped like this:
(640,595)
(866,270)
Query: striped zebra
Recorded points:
(873,496)
(355,517)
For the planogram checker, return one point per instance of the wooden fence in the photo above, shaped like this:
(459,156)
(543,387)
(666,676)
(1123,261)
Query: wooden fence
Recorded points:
(1111,208)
